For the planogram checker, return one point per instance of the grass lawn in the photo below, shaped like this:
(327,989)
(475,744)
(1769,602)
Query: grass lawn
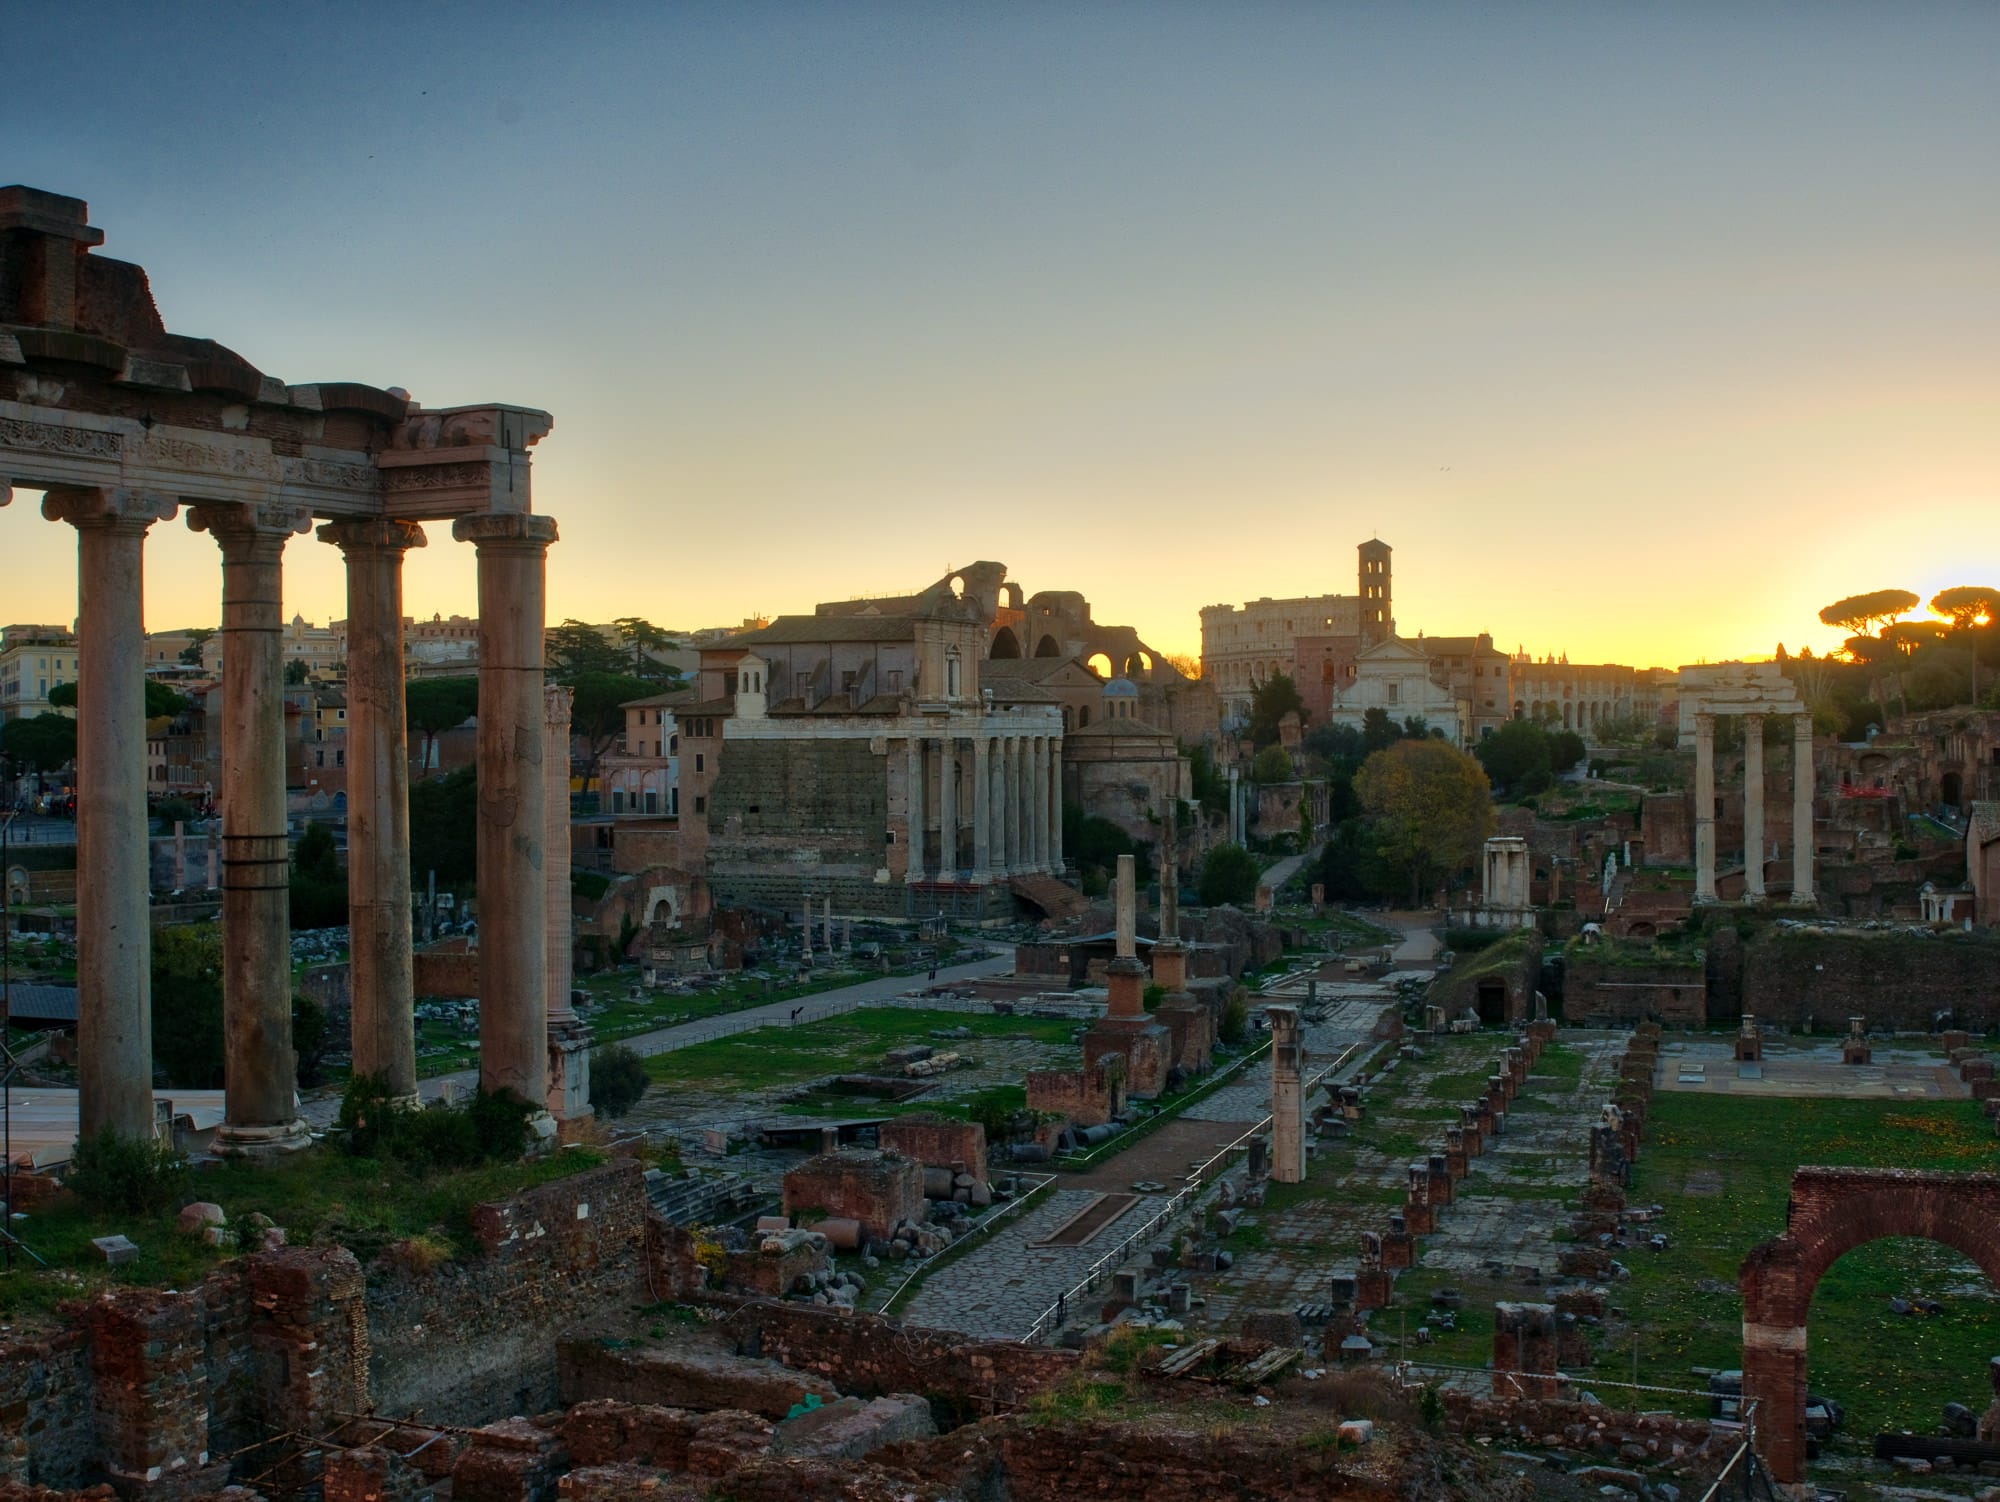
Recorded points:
(1723,1167)
(779,1055)
(319,1195)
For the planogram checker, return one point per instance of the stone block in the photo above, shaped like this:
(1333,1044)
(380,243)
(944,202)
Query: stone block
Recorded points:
(877,1189)
(850,1428)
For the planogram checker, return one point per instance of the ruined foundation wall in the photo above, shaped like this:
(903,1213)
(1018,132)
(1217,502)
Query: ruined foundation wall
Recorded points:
(1676,995)
(475,1340)
(47,1429)
(1894,980)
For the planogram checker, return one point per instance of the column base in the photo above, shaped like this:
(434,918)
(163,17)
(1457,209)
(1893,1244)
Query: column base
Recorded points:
(569,1072)
(543,1134)
(233,1141)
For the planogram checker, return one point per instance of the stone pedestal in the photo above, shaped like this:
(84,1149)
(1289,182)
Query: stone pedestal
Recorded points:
(1125,1030)
(378,803)
(513,899)
(113,927)
(260,1069)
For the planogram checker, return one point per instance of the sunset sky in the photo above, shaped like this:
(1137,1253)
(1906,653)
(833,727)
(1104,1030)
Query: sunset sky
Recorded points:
(1641,332)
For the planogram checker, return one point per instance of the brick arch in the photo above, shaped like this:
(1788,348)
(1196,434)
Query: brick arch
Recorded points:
(1833,1211)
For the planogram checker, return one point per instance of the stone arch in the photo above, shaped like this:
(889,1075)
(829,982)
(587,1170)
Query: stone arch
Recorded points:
(1010,595)
(1138,663)
(1101,665)
(1005,643)
(1048,646)
(1833,1211)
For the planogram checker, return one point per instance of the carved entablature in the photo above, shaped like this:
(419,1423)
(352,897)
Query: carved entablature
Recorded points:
(461,460)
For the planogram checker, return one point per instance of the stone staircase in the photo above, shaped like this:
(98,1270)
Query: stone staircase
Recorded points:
(1056,898)
(700,1201)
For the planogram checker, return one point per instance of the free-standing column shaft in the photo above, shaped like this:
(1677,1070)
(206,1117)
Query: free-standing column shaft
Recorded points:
(996,805)
(982,810)
(1038,802)
(513,900)
(556,703)
(1017,788)
(260,1071)
(378,803)
(1704,808)
(913,804)
(1802,809)
(1753,808)
(113,925)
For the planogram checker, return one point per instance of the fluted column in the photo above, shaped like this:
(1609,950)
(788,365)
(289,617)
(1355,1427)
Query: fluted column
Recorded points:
(982,810)
(260,1071)
(1038,802)
(513,900)
(113,923)
(1704,808)
(996,805)
(1016,797)
(948,809)
(913,802)
(1753,808)
(1802,810)
(383,1024)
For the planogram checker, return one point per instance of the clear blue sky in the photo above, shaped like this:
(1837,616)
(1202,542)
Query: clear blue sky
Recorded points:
(1641,332)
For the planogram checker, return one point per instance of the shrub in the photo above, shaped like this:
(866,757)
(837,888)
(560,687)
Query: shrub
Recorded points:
(310,1038)
(617,1080)
(1152,996)
(491,1127)
(126,1175)
(1235,1017)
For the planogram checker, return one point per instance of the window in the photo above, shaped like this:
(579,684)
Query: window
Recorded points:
(701,805)
(1395,695)
(698,761)
(895,680)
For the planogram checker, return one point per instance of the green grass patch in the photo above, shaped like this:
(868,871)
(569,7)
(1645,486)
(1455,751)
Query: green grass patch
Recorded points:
(781,1055)
(1723,1169)
(319,1196)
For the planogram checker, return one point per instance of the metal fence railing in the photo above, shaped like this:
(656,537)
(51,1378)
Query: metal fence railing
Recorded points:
(980,1228)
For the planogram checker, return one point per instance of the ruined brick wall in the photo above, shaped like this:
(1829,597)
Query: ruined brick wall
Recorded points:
(870,1355)
(1667,821)
(878,1189)
(47,1429)
(937,1142)
(1894,980)
(474,1340)
(448,969)
(785,813)
(1594,989)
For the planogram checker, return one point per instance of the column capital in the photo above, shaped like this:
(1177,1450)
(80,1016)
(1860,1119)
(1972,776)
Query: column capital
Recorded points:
(373,534)
(111,508)
(518,529)
(557,702)
(240,526)
(1704,722)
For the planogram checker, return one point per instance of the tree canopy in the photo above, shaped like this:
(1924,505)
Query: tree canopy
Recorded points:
(160,699)
(1860,614)
(197,639)
(1430,805)
(642,638)
(435,705)
(597,712)
(1273,764)
(1270,702)
(41,743)
(576,647)
(1228,874)
(1967,605)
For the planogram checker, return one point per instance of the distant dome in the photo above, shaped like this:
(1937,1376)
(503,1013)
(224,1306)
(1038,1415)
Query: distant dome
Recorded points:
(1120,688)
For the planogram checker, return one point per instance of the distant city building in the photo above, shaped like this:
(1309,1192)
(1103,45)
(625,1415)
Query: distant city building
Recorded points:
(1242,647)
(34,660)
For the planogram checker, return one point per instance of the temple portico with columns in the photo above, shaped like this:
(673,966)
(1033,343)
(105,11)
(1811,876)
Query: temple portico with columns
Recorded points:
(1753,691)
(120,424)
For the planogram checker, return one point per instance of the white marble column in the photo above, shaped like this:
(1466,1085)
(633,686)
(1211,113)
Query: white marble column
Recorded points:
(1704,808)
(1016,801)
(996,805)
(114,949)
(913,804)
(1753,808)
(1056,798)
(948,809)
(383,1020)
(982,809)
(1802,810)
(513,804)
(260,1070)
(1038,803)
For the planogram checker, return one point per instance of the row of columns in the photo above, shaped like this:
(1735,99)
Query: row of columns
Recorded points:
(516,831)
(1753,808)
(1016,798)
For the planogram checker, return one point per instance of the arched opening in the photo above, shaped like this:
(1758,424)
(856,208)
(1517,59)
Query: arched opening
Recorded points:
(1005,643)
(1835,1211)
(1642,930)
(1138,665)
(1100,664)
(1569,717)
(956,584)
(1082,716)
(1048,646)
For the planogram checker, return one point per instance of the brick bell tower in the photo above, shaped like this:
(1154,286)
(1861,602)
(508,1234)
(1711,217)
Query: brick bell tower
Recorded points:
(1378,615)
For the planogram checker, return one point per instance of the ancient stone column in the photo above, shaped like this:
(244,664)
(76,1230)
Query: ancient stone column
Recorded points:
(513,800)
(913,802)
(1288,1123)
(996,805)
(1753,808)
(982,809)
(1125,978)
(260,1071)
(378,803)
(113,924)
(1704,808)
(1802,810)
(1038,802)
(1056,806)
(948,809)
(569,1039)
(1017,793)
